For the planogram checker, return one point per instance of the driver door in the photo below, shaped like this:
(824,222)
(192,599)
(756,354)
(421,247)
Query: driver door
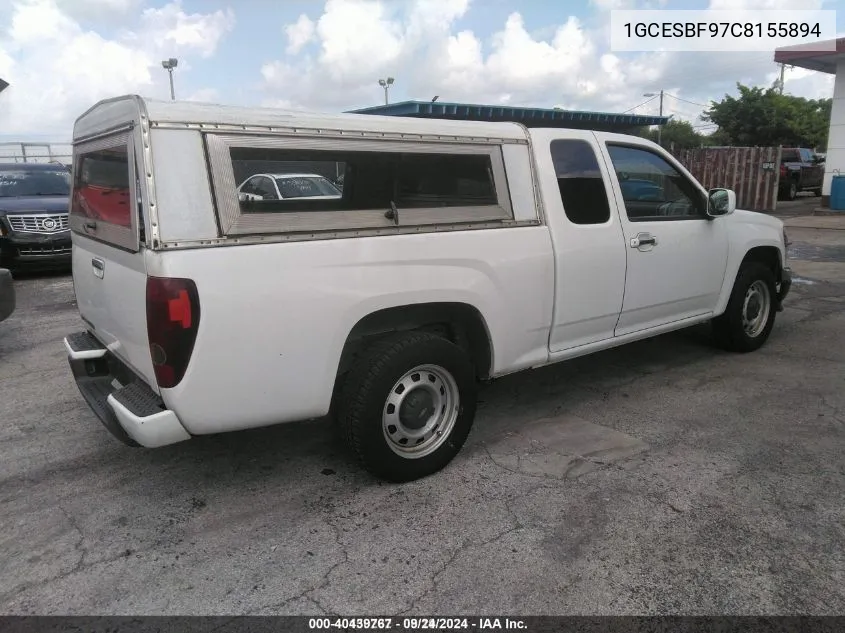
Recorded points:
(676,255)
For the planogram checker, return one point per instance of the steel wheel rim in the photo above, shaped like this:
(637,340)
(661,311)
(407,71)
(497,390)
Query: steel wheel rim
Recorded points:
(756,308)
(409,429)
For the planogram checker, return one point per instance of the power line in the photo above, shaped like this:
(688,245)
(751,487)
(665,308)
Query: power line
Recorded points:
(685,113)
(703,105)
(642,104)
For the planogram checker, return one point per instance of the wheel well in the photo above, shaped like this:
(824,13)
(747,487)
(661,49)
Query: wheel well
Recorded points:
(460,323)
(769,256)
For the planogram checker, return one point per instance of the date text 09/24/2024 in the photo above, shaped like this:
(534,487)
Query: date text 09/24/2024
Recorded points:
(416,624)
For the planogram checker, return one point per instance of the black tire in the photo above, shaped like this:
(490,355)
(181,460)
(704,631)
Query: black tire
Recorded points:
(728,328)
(363,402)
(817,192)
(792,191)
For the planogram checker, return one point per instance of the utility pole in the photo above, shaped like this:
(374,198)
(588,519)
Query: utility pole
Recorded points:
(780,82)
(659,127)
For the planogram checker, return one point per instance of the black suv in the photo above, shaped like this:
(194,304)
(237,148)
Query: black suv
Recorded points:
(34,227)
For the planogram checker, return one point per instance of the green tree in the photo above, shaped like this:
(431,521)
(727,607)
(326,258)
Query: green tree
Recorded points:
(677,134)
(764,117)
(719,138)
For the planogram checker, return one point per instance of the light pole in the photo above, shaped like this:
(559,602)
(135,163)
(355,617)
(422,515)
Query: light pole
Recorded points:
(652,94)
(386,83)
(169,65)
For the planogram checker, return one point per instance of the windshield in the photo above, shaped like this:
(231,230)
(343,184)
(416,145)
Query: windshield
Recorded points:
(23,182)
(306,187)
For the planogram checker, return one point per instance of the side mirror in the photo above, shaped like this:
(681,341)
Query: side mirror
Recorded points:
(720,202)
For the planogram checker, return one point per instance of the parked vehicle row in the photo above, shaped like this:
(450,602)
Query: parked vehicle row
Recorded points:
(34,225)
(455,252)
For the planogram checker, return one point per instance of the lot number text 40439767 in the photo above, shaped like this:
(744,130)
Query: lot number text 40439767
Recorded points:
(417,624)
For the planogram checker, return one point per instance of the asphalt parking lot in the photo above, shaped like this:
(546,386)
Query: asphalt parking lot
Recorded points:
(661,477)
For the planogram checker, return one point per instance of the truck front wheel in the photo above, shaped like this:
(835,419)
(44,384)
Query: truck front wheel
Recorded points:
(408,405)
(750,316)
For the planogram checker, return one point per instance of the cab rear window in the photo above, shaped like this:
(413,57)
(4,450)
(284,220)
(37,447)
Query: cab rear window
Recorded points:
(101,186)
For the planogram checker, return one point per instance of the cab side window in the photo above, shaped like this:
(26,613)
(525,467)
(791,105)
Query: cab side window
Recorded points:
(579,180)
(652,188)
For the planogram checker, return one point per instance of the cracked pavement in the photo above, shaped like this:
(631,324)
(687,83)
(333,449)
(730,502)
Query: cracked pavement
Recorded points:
(663,477)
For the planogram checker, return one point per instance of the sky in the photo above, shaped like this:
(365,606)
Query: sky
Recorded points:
(62,56)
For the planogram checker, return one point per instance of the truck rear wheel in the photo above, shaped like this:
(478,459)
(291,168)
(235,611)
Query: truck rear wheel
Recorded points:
(408,405)
(750,316)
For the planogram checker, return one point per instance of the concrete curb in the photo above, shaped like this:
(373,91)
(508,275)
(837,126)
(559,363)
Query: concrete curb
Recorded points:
(832,222)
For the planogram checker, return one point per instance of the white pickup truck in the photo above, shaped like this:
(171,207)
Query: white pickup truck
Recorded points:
(457,252)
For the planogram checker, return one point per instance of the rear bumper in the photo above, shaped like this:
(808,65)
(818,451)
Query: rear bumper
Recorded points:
(125,405)
(7,294)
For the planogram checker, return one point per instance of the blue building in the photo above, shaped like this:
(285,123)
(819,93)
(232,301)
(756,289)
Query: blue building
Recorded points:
(529,117)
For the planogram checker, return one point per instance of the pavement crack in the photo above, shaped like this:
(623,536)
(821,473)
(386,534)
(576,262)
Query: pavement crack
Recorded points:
(324,581)
(78,547)
(465,546)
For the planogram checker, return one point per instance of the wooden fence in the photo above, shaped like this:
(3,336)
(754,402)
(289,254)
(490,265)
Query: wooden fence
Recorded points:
(752,172)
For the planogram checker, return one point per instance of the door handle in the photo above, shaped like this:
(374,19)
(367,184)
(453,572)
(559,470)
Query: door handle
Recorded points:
(643,239)
(99,267)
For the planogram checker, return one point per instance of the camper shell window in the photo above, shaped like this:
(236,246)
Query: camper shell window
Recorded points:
(284,184)
(104,199)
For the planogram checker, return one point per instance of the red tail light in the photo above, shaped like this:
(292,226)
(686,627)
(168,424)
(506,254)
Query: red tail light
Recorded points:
(783,171)
(173,315)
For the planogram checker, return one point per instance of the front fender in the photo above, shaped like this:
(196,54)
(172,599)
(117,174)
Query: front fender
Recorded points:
(748,230)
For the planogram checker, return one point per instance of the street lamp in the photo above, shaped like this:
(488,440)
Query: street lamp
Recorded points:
(169,65)
(385,83)
(652,94)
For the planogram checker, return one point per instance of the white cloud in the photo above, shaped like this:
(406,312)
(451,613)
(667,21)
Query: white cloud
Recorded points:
(299,34)
(97,10)
(57,68)
(169,26)
(59,62)
(359,41)
(356,36)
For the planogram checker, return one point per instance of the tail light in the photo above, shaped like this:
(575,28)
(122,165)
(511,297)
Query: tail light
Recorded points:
(173,315)
(783,171)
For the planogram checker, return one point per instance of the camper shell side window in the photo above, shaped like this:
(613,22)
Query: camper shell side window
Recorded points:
(282,184)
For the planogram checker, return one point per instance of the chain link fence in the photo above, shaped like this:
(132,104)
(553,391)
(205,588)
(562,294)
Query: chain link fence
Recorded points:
(22,152)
